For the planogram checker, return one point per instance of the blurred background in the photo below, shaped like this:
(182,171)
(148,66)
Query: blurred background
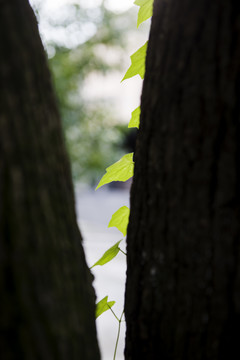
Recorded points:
(89,43)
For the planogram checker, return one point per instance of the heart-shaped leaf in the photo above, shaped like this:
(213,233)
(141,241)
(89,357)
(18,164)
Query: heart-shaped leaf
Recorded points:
(120,219)
(135,119)
(108,255)
(138,63)
(103,305)
(145,11)
(121,170)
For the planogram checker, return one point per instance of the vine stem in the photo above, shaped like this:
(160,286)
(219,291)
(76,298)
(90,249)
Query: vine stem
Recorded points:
(114,313)
(118,334)
(123,252)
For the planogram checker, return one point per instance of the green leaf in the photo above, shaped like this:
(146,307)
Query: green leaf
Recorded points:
(108,255)
(138,63)
(120,219)
(121,170)
(145,11)
(135,119)
(103,305)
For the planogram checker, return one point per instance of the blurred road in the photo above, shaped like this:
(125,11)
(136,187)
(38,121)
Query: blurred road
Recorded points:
(94,210)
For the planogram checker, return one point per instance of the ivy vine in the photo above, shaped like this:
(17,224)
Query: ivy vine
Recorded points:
(123,169)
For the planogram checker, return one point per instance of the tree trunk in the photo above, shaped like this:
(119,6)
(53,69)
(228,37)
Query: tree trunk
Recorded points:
(183,277)
(47,300)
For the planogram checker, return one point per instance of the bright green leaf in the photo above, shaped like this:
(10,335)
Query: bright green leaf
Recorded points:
(137,63)
(135,119)
(120,219)
(121,170)
(103,305)
(145,11)
(108,255)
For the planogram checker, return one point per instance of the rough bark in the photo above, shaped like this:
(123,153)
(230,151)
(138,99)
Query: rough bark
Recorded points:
(47,300)
(183,277)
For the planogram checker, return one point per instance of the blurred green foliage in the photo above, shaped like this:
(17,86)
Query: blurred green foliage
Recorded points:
(92,129)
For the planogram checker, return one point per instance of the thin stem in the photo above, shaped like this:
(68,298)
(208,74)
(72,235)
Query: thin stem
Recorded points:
(121,316)
(114,313)
(122,251)
(118,334)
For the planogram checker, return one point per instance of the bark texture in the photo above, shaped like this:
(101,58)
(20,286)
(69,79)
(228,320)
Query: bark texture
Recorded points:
(47,300)
(183,277)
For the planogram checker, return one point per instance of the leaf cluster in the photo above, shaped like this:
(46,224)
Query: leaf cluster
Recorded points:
(123,169)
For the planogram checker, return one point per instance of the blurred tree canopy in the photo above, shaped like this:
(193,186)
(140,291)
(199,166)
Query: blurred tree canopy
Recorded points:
(86,39)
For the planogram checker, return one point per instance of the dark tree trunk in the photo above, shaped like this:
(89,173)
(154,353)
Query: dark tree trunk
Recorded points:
(47,300)
(183,277)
